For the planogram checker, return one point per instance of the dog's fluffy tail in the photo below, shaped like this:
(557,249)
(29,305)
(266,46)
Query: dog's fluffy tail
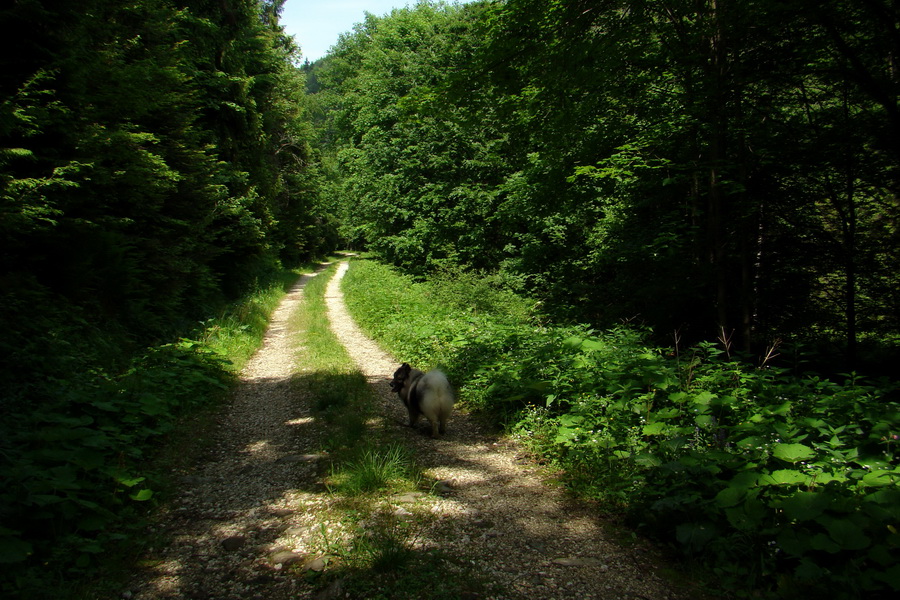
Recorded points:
(436,399)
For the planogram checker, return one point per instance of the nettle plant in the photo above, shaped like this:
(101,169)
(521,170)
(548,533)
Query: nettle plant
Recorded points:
(781,483)
(786,482)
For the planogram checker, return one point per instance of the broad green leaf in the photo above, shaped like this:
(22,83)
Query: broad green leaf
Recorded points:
(751,442)
(891,577)
(873,462)
(880,478)
(847,534)
(805,506)
(703,398)
(130,482)
(590,344)
(569,420)
(142,495)
(823,542)
(744,480)
(573,343)
(881,554)
(782,409)
(793,453)
(888,498)
(784,477)
(678,397)
(746,517)
(667,413)
(704,420)
(808,571)
(730,496)
(824,478)
(647,460)
(654,428)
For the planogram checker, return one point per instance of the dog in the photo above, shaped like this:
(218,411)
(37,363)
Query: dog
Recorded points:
(426,394)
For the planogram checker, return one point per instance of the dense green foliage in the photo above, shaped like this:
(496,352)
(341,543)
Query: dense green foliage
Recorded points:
(708,169)
(693,165)
(783,483)
(711,170)
(155,167)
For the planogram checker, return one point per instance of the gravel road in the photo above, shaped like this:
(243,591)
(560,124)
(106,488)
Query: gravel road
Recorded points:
(253,505)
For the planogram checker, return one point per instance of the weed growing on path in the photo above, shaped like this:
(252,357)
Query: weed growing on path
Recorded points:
(376,469)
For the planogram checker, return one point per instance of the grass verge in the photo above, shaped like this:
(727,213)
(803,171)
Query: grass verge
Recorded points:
(226,343)
(374,550)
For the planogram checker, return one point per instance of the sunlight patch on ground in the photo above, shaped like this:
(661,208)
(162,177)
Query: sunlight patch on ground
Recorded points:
(260,447)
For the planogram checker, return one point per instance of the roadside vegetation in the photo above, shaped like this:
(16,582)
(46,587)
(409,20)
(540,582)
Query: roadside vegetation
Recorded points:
(80,475)
(780,482)
(155,189)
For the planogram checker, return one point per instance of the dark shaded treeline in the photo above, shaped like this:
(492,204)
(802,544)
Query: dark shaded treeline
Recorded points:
(155,165)
(154,155)
(715,168)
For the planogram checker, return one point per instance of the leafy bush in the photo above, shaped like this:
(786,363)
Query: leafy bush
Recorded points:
(458,320)
(788,482)
(84,416)
(73,468)
(783,484)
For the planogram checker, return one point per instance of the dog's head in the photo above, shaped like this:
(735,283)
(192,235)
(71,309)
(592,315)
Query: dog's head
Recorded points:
(401,375)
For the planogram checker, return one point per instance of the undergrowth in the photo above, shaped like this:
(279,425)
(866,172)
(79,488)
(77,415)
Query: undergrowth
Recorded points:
(783,484)
(80,444)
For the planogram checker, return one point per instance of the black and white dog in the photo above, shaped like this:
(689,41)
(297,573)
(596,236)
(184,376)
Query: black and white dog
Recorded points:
(426,394)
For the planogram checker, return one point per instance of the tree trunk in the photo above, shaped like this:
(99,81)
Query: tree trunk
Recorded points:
(717,111)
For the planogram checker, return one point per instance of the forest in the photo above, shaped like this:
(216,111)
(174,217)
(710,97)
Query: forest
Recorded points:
(663,236)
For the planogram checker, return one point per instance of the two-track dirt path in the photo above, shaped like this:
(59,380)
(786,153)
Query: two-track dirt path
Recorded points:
(498,510)
(252,506)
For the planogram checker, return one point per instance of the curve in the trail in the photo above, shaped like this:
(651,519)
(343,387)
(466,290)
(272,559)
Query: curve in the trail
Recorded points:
(376,364)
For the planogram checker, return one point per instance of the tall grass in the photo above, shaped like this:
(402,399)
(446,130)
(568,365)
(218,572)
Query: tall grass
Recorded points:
(376,468)
(238,331)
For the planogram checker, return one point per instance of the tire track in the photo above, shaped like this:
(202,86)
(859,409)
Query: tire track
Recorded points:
(217,536)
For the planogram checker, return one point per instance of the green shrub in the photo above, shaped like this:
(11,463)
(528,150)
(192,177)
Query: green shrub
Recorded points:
(783,484)
(74,468)
(84,413)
